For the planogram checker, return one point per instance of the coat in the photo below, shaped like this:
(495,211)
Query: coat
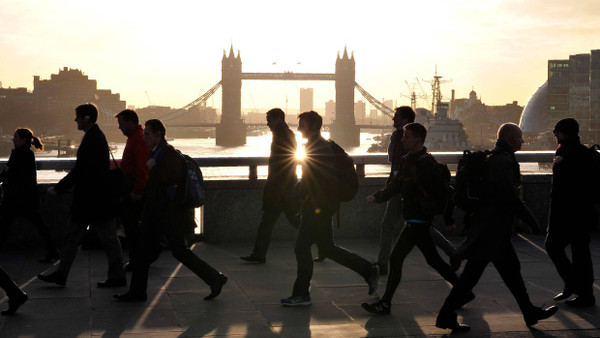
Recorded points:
(19,182)
(318,174)
(92,199)
(282,168)
(166,185)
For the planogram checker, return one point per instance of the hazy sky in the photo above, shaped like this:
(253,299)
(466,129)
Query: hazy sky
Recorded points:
(173,49)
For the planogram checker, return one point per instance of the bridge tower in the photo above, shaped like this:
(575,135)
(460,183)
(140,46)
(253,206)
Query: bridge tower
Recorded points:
(231,132)
(343,129)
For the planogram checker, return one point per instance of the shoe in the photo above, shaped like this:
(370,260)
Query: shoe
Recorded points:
(373,280)
(383,270)
(467,299)
(216,286)
(131,297)
(563,295)
(53,278)
(319,259)
(380,307)
(537,313)
(581,301)
(254,259)
(14,303)
(296,301)
(112,283)
(451,324)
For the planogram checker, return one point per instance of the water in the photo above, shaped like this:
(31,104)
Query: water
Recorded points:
(258,145)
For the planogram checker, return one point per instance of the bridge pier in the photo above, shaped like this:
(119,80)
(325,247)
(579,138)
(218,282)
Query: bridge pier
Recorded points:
(231,134)
(346,135)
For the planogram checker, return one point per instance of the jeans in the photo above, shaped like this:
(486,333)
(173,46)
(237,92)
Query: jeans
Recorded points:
(317,227)
(265,229)
(391,218)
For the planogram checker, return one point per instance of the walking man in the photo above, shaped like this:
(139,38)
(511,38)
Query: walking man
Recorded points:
(320,202)
(92,202)
(133,166)
(572,215)
(490,235)
(277,193)
(417,181)
(163,216)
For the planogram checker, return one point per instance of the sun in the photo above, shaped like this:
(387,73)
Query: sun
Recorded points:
(300,154)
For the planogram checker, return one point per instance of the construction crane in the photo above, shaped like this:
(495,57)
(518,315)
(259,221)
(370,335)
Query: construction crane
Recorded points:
(148,96)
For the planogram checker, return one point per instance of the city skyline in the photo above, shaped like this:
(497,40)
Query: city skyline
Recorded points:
(499,48)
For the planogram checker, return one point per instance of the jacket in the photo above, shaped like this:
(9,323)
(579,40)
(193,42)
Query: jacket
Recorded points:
(318,174)
(133,163)
(572,203)
(166,186)
(282,168)
(418,180)
(89,178)
(19,182)
(395,152)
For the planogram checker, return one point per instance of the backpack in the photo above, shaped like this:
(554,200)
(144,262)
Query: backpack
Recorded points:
(471,180)
(346,179)
(195,190)
(442,196)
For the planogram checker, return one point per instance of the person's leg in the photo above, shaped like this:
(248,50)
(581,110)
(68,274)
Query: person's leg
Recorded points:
(107,233)
(391,218)
(202,269)
(263,235)
(509,268)
(36,219)
(403,246)
(583,269)
(442,242)
(302,249)
(16,296)
(130,219)
(147,251)
(73,238)
(460,290)
(425,244)
(556,244)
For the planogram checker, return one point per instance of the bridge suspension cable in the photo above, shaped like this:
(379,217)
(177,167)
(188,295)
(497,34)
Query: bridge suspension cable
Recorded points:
(199,101)
(376,103)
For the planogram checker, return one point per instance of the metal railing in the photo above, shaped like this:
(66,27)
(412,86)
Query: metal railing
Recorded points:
(253,162)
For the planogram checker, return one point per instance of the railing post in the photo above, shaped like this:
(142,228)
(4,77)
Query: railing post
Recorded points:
(360,169)
(253,172)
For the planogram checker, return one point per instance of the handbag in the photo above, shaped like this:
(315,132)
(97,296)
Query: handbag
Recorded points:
(117,183)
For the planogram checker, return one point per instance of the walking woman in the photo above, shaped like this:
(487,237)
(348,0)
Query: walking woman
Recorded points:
(20,193)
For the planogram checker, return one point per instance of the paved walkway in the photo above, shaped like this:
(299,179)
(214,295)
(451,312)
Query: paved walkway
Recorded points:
(249,305)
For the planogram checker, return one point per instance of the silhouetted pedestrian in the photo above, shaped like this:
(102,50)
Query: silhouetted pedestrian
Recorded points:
(572,214)
(21,198)
(16,296)
(93,203)
(320,202)
(162,215)
(133,166)
(418,180)
(277,194)
(490,235)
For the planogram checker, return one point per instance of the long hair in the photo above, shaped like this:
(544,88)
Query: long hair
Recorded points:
(27,134)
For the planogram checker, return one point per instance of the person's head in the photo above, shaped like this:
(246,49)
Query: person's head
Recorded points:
(128,121)
(309,124)
(24,136)
(566,129)
(154,132)
(86,116)
(402,116)
(414,137)
(275,117)
(511,134)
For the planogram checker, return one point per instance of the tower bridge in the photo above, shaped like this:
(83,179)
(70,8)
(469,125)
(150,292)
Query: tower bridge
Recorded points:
(231,130)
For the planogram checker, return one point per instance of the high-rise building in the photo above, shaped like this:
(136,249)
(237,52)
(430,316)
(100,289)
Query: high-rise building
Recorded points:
(329,110)
(360,110)
(306,99)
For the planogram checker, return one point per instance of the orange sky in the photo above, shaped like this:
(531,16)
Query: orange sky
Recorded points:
(173,50)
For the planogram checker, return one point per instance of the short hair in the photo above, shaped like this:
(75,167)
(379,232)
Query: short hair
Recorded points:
(313,118)
(156,125)
(417,129)
(129,115)
(507,130)
(406,113)
(276,113)
(87,109)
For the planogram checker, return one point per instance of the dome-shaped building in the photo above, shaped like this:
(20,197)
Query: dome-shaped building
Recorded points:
(533,119)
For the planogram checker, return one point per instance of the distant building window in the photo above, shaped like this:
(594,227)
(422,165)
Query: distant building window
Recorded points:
(552,107)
